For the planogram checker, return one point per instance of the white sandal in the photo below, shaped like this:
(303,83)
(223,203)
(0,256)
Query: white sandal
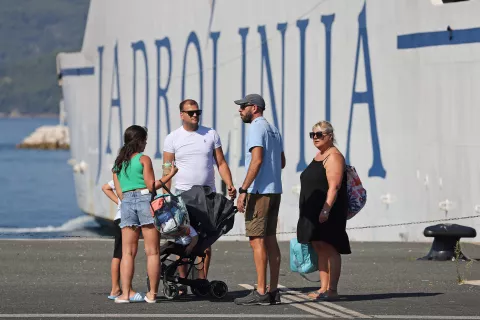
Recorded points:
(147,300)
(121,300)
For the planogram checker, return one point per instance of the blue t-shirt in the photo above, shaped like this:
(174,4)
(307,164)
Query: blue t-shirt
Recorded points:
(263,134)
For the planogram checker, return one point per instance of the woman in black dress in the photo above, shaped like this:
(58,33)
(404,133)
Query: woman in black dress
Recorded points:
(323,209)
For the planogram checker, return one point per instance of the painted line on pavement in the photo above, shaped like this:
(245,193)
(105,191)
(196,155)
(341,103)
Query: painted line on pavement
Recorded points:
(472,282)
(160,315)
(291,302)
(407,316)
(240,315)
(327,304)
(314,305)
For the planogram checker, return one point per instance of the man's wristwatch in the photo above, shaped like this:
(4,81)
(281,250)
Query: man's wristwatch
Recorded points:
(240,190)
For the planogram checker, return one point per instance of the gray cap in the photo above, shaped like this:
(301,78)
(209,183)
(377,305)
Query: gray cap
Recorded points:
(253,98)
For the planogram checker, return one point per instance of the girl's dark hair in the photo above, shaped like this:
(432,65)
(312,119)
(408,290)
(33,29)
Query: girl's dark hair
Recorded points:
(135,138)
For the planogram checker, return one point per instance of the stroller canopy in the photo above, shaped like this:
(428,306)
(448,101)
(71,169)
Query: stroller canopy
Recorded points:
(210,213)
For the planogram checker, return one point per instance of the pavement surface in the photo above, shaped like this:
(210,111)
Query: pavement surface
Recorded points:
(51,279)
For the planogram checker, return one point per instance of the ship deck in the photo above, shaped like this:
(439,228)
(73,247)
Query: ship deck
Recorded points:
(71,278)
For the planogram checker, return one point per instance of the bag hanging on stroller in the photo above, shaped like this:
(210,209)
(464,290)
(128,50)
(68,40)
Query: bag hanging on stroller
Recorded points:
(169,213)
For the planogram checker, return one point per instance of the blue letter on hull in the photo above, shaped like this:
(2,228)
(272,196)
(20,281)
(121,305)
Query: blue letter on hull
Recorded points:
(139,46)
(162,91)
(328,22)
(243,33)
(116,103)
(100,73)
(377,169)
(302,26)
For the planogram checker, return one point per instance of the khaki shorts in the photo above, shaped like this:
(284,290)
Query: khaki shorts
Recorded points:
(261,214)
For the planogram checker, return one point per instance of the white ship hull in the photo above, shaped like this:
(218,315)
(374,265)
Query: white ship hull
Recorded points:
(398,87)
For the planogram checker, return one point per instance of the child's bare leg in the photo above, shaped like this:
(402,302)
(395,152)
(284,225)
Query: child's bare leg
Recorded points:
(182,270)
(115,271)
(116,261)
(206,263)
(201,273)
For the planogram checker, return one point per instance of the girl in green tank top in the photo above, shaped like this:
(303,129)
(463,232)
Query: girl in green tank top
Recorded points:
(128,166)
(133,171)
(131,174)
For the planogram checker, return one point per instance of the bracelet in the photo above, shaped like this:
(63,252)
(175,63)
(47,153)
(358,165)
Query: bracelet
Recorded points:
(325,213)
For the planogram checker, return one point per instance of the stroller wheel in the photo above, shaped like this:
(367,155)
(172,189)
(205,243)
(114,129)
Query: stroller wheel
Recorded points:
(218,289)
(170,291)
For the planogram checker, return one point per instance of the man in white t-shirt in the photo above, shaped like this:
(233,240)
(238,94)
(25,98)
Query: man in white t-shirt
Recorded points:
(195,149)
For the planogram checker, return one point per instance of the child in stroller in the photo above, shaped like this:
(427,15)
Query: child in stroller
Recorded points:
(210,215)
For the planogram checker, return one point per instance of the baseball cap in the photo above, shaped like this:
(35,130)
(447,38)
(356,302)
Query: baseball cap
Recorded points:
(252,98)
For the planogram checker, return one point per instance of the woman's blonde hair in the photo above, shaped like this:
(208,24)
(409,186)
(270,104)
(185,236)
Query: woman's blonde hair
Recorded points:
(326,127)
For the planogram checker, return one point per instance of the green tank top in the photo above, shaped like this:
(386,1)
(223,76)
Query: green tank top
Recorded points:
(132,177)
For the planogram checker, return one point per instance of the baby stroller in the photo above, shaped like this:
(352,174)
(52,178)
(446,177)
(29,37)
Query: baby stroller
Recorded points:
(211,215)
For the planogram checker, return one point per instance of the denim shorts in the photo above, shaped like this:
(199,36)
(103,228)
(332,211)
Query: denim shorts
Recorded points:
(135,209)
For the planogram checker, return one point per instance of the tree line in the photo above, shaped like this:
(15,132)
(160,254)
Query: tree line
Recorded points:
(32,32)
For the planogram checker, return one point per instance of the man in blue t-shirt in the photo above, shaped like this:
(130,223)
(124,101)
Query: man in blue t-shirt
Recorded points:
(259,197)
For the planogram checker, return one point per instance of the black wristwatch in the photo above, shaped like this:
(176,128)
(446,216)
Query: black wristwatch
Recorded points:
(240,190)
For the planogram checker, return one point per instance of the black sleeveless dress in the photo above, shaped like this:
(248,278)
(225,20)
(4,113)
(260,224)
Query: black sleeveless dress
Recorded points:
(314,188)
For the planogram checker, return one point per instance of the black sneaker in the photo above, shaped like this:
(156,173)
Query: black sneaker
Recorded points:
(254,298)
(275,297)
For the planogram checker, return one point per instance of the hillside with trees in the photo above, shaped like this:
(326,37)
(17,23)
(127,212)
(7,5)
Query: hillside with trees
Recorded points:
(32,32)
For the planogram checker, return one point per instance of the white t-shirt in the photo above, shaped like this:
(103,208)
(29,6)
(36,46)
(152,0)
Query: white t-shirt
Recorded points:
(194,152)
(118,215)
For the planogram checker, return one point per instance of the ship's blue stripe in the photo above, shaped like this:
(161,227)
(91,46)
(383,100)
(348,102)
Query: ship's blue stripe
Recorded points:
(85,71)
(438,38)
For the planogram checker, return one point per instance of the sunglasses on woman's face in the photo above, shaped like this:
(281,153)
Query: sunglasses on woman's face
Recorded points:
(316,135)
(193,112)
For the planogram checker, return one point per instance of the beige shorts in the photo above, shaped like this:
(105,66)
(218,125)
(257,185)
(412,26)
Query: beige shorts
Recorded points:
(261,214)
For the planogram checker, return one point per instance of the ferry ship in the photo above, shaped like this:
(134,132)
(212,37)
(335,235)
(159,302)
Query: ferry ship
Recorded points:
(396,78)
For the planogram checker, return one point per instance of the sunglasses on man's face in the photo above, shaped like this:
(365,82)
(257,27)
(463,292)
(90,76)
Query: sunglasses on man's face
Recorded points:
(316,135)
(244,106)
(193,112)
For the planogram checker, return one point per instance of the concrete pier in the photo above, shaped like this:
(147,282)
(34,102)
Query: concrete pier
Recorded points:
(51,279)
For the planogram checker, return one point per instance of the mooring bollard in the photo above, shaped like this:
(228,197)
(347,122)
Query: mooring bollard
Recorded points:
(445,239)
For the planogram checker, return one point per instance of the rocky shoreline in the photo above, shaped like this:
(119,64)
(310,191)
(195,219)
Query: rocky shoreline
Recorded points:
(47,138)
